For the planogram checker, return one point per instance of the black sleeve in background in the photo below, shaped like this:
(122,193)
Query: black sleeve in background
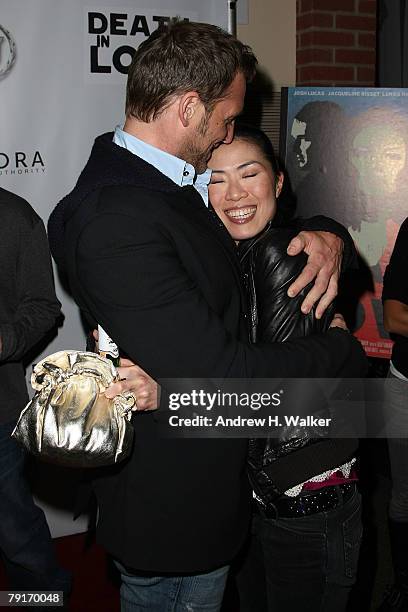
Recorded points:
(38,307)
(326,224)
(395,284)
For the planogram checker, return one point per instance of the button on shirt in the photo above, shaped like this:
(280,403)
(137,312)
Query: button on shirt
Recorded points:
(176,169)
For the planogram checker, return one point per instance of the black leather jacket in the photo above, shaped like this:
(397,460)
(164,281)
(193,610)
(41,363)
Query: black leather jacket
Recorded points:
(274,317)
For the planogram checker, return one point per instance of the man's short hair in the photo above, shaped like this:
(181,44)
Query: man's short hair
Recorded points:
(184,56)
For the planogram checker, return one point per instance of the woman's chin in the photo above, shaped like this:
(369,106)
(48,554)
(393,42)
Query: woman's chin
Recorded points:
(243,232)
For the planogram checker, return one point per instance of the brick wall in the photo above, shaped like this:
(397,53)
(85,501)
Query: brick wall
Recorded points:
(336,42)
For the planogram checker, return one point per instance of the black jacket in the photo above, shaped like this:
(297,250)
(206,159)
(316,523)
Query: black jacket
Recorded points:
(147,260)
(294,453)
(28,305)
(395,287)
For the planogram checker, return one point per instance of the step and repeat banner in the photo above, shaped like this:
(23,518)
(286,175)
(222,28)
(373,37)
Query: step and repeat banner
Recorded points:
(63,69)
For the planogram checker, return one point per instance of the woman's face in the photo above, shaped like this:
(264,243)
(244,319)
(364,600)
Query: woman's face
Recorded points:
(243,189)
(379,154)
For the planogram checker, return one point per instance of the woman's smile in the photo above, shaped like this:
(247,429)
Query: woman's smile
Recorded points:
(241,215)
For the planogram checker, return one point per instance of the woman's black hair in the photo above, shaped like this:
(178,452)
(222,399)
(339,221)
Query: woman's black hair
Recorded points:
(260,139)
(287,202)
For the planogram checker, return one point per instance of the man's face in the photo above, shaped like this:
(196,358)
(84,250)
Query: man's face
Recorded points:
(301,144)
(216,127)
(378,154)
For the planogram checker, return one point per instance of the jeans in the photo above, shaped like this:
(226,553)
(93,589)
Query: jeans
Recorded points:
(198,593)
(25,542)
(303,563)
(396,411)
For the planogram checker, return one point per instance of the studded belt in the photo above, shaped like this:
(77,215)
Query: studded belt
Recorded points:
(308,502)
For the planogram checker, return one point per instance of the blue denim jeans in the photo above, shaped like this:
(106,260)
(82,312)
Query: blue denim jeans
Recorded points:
(25,542)
(198,593)
(305,563)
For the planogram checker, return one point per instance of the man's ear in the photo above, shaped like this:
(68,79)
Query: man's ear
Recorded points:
(189,105)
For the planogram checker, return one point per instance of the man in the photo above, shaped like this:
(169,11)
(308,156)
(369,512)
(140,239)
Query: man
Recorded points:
(148,261)
(28,309)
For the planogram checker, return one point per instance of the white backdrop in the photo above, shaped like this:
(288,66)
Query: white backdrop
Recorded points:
(62,82)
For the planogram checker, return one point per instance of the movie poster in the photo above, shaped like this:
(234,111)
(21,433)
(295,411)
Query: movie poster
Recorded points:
(345,151)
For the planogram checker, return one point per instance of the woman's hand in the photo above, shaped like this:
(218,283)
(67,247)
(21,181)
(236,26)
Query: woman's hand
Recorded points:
(134,379)
(325,252)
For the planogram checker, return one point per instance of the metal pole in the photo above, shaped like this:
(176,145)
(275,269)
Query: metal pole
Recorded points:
(232,17)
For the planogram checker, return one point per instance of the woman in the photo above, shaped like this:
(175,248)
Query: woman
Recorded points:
(306,529)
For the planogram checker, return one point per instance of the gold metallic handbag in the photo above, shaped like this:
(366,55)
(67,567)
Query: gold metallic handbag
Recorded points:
(69,420)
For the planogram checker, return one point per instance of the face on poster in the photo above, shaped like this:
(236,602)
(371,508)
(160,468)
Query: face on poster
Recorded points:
(346,154)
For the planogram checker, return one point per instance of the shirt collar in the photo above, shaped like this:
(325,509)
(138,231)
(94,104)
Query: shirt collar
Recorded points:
(179,171)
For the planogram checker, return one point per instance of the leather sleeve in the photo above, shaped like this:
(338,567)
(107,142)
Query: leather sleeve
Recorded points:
(277,318)
(280,317)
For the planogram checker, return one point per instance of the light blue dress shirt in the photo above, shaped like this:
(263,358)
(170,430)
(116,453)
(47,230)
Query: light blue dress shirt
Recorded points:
(177,170)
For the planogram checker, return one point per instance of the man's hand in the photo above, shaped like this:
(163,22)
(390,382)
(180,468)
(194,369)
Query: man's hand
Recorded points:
(325,252)
(134,379)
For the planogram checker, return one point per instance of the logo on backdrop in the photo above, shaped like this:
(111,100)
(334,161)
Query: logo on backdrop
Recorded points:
(114,37)
(7,51)
(21,163)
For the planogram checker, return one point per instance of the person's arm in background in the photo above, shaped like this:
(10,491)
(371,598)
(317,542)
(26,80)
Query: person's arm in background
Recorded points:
(395,286)
(37,305)
(396,317)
